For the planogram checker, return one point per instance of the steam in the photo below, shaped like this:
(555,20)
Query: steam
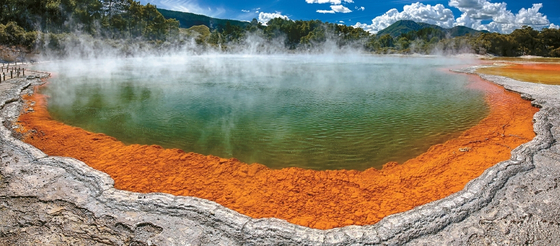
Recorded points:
(224,96)
(76,46)
(140,92)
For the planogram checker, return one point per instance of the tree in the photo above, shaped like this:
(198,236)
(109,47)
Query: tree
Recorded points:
(13,34)
(386,41)
(549,41)
(402,43)
(526,41)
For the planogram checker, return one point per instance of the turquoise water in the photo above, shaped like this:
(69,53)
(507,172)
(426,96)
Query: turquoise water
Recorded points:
(317,112)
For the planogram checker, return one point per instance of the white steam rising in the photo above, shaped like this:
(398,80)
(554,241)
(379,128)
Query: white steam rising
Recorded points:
(238,89)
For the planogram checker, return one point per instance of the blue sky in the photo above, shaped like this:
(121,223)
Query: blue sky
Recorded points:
(374,15)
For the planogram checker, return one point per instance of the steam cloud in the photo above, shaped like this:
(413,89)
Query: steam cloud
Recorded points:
(235,84)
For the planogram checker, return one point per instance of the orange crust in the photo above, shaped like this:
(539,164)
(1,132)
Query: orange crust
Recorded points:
(317,199)
(544,73)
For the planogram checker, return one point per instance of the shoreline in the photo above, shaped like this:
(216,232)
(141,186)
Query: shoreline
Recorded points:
(316,199)
(228,226)
(548,73)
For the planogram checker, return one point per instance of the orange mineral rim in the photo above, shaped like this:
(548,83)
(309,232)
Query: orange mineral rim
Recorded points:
(316,199)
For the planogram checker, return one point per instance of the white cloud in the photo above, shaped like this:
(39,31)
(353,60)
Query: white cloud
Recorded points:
(323,1)
(334,2)
(532,16)
(335,9)
(552,26)
(245,11)
(325,11)
(340,9)
(502,20)
(266,17)
(419,12)
(360,8)
(473,14)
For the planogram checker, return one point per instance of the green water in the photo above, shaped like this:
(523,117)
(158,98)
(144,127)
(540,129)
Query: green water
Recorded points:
(317,112)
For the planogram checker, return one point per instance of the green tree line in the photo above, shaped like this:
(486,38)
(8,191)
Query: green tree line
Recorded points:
(20,20)
(34,23)
(306,34)
(524,41)
(295,34)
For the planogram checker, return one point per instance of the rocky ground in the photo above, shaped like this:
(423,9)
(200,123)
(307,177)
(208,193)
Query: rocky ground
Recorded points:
(14,54)
(59,201)
(526,211)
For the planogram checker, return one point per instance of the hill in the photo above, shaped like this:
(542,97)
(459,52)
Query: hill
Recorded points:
(187,20)
(405,26)
(458,31)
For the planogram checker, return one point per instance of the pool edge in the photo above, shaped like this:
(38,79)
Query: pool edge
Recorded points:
(212,223)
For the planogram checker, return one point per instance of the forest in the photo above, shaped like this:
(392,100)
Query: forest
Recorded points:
(50,24)
(303,35)
(23,21)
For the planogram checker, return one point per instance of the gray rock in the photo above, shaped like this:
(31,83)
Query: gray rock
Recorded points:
(62,201)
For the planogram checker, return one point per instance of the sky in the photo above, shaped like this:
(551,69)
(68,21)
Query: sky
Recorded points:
(374,15)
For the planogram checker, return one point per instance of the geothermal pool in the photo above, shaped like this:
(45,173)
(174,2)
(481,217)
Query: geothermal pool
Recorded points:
(314,112)
(316,199)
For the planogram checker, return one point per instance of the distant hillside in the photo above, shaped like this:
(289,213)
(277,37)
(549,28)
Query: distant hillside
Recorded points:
(405,26)
(463,30)
(187,20)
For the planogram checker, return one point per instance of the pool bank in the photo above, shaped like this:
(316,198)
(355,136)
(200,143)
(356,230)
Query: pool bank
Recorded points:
(50,187)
